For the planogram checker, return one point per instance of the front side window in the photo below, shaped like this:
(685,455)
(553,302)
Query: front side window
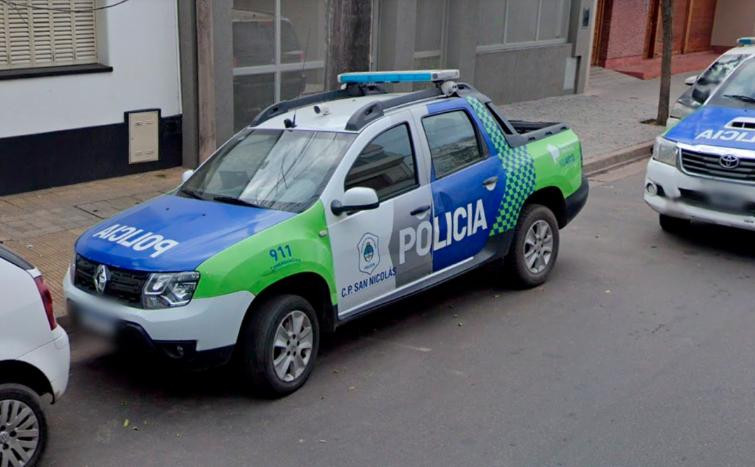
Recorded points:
(453,142)
(275,169)
(42,34)
(386,164)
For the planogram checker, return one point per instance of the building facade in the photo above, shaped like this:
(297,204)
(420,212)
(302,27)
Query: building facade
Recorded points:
(86,93)
(91,89)
(255,52)
(630,31)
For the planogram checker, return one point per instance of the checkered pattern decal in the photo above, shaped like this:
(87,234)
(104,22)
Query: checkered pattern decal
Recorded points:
(519,167)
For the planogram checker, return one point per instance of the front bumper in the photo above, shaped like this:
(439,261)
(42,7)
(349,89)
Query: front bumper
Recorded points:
(670,181)
(54,361)
(205,324)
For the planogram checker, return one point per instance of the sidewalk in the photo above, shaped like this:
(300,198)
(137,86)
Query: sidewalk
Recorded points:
(43,225)
(607,117)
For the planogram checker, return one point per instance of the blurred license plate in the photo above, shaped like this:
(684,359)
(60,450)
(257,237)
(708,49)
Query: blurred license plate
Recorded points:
(96,321)
(727,201)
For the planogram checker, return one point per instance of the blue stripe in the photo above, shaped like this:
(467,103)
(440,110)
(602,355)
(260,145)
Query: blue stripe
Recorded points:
(200,229)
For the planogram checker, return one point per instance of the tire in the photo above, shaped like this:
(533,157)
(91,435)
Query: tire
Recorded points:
(673,224)
(518,263)
(25,404)
(259,353)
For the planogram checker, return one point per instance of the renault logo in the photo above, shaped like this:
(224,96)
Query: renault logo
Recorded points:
(729,161)
(101,277)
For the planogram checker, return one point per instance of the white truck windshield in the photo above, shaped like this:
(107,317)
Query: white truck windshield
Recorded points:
(274,169)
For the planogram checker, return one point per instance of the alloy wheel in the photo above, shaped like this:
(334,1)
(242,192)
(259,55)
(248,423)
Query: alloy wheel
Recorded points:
(292,346)
(538,246)
(19,433)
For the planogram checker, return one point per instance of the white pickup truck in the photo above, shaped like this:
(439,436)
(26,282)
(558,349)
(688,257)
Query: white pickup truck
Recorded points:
(703,168)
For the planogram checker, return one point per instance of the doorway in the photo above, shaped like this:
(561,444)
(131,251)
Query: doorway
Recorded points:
(602,31)
(692,27)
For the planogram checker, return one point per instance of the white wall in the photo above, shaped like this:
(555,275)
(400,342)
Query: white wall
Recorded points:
(734,19)
(139,39)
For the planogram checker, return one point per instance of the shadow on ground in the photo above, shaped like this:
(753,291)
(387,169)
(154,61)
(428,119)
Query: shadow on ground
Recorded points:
(716,240)
(146,374)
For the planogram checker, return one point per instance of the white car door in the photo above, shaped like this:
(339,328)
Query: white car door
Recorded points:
(371,260)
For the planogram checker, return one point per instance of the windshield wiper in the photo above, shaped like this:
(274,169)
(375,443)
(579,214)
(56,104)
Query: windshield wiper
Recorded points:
(190,193)
(741,97)
(232,200)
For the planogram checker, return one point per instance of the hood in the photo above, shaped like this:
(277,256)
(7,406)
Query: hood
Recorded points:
(172,233)
(712,126)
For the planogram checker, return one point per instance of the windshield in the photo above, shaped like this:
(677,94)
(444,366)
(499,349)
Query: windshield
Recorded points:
(706,83)
(275,169)
(739,89)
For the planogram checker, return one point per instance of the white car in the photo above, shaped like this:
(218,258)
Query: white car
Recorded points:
(703,169)
(34,360)
(702,86)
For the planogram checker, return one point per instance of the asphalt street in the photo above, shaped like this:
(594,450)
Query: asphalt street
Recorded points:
(638,351)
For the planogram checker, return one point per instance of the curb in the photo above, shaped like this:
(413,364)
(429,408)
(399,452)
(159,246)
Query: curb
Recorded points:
(618,158)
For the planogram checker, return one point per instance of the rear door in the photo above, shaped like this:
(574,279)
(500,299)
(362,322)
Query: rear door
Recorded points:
(378,251)
(468,181)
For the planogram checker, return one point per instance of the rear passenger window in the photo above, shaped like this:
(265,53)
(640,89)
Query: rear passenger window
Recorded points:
(453,142)
(386,164)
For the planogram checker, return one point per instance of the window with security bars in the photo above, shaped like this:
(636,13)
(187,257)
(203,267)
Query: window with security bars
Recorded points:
(43,33)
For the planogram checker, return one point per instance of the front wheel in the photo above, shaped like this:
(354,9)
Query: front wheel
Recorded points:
(279,345)
(23,428)
(535,247)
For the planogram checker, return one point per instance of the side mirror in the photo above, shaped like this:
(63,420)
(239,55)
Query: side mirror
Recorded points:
(691,80)
(699,96)
(356,199)
(186,175)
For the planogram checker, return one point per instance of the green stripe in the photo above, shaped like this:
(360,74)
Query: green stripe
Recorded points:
(294,246)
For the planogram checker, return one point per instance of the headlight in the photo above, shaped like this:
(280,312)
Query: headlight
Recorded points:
(665,151)
(165,290)
(72,268)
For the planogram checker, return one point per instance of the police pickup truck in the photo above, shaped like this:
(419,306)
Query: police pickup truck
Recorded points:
(703,168)
(325,208)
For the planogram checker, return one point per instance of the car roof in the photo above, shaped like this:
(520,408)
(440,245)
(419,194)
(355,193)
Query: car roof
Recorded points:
(335,116)
(746,50)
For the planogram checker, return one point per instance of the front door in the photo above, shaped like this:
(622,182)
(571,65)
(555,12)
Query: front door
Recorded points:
(379,250)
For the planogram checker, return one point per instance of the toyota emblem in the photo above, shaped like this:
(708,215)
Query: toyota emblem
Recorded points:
(729,161)
(101,277)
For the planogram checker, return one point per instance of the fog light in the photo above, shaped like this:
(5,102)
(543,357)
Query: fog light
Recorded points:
(651,189)
(175,352)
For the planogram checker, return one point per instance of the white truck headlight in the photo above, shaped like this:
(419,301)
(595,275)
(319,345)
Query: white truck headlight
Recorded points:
(665,151)
(166,290)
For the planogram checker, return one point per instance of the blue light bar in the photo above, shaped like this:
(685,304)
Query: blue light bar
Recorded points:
(409,76)
(742,41)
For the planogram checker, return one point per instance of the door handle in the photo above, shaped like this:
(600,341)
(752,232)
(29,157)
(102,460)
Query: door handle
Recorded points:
(420,210)
(490,182)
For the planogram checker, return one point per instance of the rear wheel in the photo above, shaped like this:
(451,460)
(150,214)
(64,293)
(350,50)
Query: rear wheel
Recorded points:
(673,224)
(535,247)
(279,345)
(23,428)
